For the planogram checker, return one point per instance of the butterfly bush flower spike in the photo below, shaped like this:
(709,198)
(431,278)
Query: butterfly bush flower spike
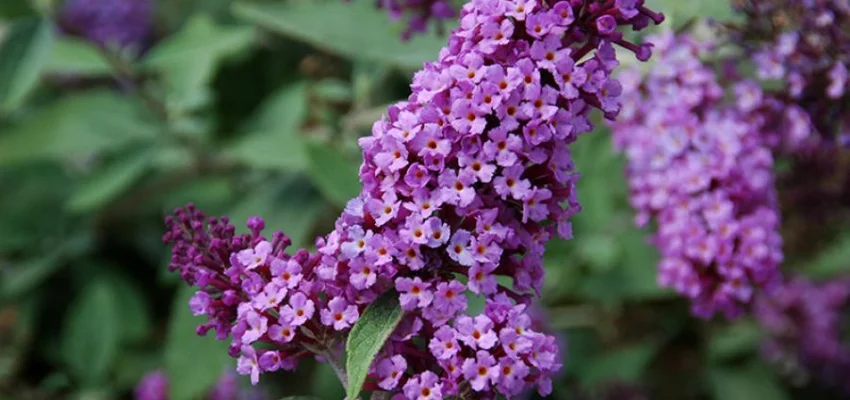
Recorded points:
(465,181)
(803,321)
(701,169)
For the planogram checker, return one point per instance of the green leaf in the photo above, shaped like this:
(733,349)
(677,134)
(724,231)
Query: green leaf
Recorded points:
(108,182)
(292,206)
(15,9)
(352,29)
(193,363)
(91,337)
(76,57)
(368,336)
(28,275)
(678,13)
(78,125)
(325,384)
(333,90)
(335,176)
(271,139)
(626,364)
(830,261)
(188,59)
(734,340)
(34,219)
(136,321)
(600,250)
(23,53)
(745,383)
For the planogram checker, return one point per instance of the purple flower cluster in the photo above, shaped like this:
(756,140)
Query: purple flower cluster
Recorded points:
(120,23)
(803,44)
(420,13)
(803,321)
(463,184)
(699,167)
(154,386)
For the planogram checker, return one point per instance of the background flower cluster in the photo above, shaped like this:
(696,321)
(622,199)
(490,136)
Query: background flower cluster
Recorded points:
(113,113)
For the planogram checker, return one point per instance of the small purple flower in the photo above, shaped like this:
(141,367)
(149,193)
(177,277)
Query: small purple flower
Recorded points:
(513,343)
(606,24)
(299,309)
(256,257)
(271,296)
(511,375)
(356,243)
(340,314)
(270,361)
(458,248)
(444,344)
(480,371)
(837,81)
(390,371)
(286,273)
(510,183)
(248,364)
(200,303)
(363,274)
(481,280)
(257,326)
(385,209)
(437,232)
(476,332)
(413,293)
(283,332)
(425,386)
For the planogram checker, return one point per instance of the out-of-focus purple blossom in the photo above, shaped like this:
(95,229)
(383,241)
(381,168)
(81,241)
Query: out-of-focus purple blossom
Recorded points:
(121,23)
(701,169)
(153,386)
(465,181)
(803,321)
(802,44)
(419,14)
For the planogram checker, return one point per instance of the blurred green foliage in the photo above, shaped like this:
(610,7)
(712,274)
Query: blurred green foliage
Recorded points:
(254,108)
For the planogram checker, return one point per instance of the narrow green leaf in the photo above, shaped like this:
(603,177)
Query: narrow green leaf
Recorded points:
(76,57)
(734,340)
(91,337)
(333,174)
(108,182)
(23,53)
(325,384)
(368,336)
(356,30)
(680,12)
(78,125)
(626,364)
(271,139)
(15,9)
(135,317)
(188,59)
(193,363)
(830,261)
(26,276)
(745,383)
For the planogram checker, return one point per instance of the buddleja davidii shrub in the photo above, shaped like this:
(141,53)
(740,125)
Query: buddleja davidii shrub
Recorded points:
(463,182)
